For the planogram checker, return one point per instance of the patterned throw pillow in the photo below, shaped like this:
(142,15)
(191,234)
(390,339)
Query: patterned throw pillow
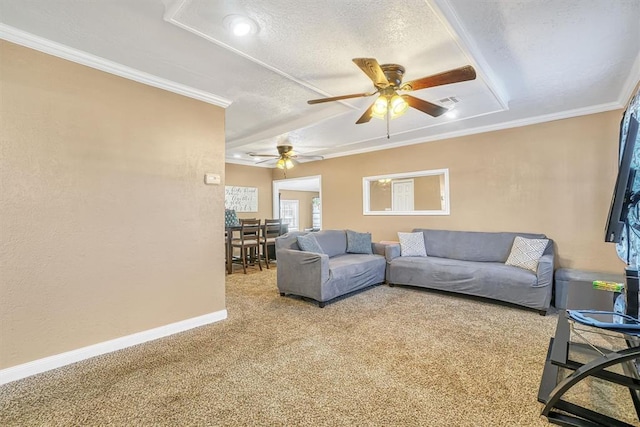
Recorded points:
(230,218)
(412,244)
(309,243)
(358,243)
(525,253)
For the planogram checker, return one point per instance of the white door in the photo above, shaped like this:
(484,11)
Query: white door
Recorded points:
(402,195)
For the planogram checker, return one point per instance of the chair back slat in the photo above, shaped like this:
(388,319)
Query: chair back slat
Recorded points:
(250,231)
(272,228)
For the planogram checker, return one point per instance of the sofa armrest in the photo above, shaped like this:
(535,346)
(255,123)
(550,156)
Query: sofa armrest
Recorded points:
(378,248)
(545,271)
(301,272)
(391,251)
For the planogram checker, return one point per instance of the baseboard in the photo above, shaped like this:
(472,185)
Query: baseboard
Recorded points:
(15,373)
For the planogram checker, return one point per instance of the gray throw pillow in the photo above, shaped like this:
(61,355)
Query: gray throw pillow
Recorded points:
(309,243)
(358,243)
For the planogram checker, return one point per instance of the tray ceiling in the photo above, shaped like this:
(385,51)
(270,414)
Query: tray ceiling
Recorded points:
(536,60)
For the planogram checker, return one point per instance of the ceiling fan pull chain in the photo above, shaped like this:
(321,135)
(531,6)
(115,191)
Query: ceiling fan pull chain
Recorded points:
(388,123)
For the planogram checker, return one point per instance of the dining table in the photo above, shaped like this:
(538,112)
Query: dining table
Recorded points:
(230,229)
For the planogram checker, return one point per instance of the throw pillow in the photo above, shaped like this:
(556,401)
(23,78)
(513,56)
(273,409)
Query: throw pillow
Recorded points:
(358,243)
(230,218)
(412,244)
(525,253)
(309,243)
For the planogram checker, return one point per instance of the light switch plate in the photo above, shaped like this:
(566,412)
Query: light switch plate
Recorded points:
(212,179)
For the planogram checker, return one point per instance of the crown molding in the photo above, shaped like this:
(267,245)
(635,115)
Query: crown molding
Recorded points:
(630,84)
(594,109)
(41,44)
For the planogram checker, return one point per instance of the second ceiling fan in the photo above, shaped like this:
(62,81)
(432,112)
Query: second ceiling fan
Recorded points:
(387,81)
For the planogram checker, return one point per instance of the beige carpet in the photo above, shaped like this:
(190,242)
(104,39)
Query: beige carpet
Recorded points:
(383,357)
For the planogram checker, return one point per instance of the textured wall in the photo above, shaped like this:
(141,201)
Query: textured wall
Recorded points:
(555,178)
(251,176)
(107,226)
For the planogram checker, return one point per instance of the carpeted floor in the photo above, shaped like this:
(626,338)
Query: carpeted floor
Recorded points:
(383,357)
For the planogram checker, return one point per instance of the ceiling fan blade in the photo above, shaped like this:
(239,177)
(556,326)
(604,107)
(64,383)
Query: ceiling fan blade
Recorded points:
(265,161)
(304,156)
(262,155)
(338,98)
(452,76)
(366,117)
(425,106)
(372,69)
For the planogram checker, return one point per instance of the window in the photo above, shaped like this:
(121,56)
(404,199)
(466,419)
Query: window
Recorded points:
(289,213)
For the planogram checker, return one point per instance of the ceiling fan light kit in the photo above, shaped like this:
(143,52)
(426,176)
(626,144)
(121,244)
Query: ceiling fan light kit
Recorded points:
(284,163)
(285,158)
(387,81)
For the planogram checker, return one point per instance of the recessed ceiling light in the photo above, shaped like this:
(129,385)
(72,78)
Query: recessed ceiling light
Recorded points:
(237,156)
(451,114)
(240,25)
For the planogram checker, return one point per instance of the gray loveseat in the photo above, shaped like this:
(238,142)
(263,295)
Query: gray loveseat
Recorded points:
(473,263)
(326,276)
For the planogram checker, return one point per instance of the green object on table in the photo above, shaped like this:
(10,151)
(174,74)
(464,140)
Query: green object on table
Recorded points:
(608,286)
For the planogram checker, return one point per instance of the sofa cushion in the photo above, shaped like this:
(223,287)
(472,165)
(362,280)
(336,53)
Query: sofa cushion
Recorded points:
(525,253)
(471,245)
(352,271)
(470,277)
(412,244)
(332,242)
(308,243)
(358,243)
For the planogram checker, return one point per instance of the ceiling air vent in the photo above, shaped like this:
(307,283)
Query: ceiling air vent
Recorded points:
(451,100)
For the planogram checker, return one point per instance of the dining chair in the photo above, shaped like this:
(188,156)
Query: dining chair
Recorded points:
(249,242)
(227,251)
(272,228)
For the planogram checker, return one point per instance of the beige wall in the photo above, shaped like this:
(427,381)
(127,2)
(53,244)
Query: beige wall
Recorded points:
(107,226)
(252,176)
(555,178)
(304,205)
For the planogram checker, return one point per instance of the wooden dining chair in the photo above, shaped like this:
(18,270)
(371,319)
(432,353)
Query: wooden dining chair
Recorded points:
(227,251)
(272,228)
(249,242)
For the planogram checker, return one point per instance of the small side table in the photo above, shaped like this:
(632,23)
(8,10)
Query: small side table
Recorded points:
(552,387)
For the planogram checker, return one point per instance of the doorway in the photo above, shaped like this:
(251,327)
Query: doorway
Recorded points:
(402,195)
(308,192)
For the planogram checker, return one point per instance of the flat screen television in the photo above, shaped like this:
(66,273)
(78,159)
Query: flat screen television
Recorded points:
(623,214)
(625,196)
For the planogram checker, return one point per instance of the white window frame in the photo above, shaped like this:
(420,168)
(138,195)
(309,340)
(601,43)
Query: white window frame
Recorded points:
(294,206)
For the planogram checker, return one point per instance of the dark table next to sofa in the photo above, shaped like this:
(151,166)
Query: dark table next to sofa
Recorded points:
(566,356)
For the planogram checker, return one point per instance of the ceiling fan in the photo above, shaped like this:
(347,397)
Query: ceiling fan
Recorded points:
(286,156)
(387,81)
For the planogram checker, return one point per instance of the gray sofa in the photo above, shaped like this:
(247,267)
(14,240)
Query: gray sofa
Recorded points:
(326,276)
(473,263)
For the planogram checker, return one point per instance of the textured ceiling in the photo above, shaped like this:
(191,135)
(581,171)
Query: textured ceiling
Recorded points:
(536,60)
